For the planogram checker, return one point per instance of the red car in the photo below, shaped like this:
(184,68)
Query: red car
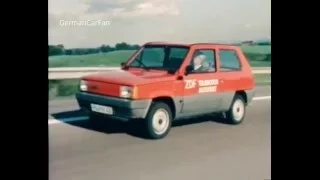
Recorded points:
(164,82)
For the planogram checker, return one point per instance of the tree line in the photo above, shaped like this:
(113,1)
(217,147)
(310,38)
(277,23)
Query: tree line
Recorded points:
(56,50)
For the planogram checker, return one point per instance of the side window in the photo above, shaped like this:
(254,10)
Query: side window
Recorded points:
(203,61)
(229,60)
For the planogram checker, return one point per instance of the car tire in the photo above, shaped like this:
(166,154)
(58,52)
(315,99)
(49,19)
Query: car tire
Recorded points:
(158,120)
(236,114)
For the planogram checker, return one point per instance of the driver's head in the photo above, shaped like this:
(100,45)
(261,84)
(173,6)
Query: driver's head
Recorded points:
(205,64)
(198,59)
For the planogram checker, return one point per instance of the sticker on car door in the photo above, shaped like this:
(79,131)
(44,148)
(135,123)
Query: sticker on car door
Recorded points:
(190,84)
(208,85)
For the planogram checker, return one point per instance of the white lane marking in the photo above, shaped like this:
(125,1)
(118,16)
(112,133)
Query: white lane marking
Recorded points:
(82,118)
(261,98)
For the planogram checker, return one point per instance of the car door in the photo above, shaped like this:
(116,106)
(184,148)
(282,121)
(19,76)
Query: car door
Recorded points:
(201,90)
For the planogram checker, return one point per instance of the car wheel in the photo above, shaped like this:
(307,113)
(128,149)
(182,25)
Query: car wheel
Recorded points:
(158,120)
(237,111)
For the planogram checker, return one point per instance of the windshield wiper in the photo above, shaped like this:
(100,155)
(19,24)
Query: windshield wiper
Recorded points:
(141,63)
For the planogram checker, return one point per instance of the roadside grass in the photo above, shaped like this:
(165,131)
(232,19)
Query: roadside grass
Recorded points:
(64,89)
(256,55)
(91,60)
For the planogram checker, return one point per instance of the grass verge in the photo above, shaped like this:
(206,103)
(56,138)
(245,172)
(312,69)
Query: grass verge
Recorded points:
(62,89)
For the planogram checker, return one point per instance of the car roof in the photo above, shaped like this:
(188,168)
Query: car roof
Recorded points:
(188,44)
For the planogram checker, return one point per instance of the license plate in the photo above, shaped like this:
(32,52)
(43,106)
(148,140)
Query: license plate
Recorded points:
(101,109)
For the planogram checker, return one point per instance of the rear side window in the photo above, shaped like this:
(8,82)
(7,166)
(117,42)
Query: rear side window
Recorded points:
(229,60)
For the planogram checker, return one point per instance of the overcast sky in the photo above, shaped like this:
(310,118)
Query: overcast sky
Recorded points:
(138,21)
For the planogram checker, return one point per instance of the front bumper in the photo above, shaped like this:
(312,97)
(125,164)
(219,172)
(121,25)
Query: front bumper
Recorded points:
(123,109)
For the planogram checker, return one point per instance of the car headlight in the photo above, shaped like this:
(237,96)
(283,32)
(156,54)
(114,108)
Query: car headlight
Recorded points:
(127,92)
(83,85)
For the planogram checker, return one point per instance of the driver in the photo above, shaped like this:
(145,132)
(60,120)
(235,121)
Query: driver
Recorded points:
(198,61)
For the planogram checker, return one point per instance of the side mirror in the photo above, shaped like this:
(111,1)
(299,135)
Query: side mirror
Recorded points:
(189,69)
(123,65)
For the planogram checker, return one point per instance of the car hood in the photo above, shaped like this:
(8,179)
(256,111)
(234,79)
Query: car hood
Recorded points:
(130,77)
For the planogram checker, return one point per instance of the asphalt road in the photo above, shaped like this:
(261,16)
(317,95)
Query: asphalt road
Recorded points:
(203,149)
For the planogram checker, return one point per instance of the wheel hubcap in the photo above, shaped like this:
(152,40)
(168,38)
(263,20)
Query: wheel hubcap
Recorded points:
(160,121)
(238,110)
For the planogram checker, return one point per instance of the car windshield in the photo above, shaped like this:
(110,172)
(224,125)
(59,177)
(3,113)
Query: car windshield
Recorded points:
(160,57)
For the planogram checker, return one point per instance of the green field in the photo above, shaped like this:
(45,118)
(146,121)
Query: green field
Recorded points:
(256,55)
(91,60)
(67,88)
